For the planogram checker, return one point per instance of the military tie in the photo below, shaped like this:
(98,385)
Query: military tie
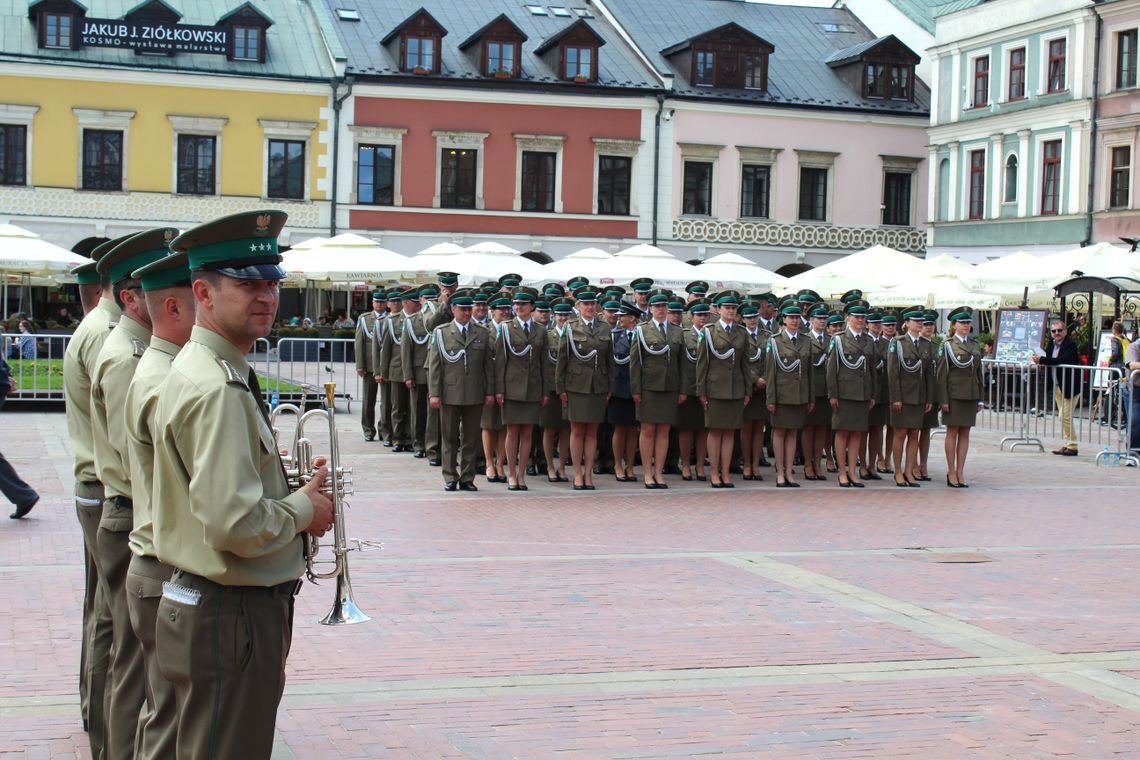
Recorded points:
(661,327)
(794,339)
(821,339)
(526,328)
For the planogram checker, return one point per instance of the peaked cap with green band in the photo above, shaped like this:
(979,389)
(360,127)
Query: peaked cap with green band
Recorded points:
(676,306)
(135,252)
(791,310)
(448,279)
(751,310)
(962,314)
(658,298)
(834,319)
(87,274)
(727,300)
(171,271)
(699,307)
(500,302)
(106,247)
(856,310)
(242,246)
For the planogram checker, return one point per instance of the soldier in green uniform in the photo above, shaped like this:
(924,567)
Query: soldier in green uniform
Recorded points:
(494,433)
(170,303)
(366,326)
(691,416)
(439,315)
(390,369)
(886,456)
(114,368)
(78,367)
(816,436)
(756,413)
(958,389)
(555,426)
(413,364)
(724,385)
(583,379)
(223,514)
(911,393)
(461,383)
(930,419)
(523,380)
(878,417)
(851,390)
(655,375)
(788,392)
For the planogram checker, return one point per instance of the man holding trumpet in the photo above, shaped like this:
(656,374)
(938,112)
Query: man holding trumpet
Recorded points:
(224,517)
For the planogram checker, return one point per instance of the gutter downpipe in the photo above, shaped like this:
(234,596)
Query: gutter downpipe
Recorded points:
(1092,129)
(336,102)
(657,160)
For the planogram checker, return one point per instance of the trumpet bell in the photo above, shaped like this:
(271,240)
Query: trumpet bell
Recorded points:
(344,610)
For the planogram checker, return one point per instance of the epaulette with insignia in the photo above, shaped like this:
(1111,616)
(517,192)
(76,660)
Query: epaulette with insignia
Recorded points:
(138,346)
(232,375)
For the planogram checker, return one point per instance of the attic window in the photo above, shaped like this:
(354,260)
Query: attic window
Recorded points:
(888,81)
(559,12)
(247,43)
(836,28)
(583,12)
(420,54)
(536,10)
(502,58)
(578,63)
(57,29)
(730,66)
(348,14)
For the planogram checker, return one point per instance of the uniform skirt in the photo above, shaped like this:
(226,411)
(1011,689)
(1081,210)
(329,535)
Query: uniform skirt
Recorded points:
(880,414)
(910,418)
(724,414)
(690,415)
(492,418)
(757,408)
(552,416)
(586,407)
(930,419)
(620,412)
(520,412)
(820,414)
(790,416)
(658,407)
(962,414)
(850,416)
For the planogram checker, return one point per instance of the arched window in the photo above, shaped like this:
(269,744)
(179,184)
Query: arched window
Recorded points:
(1010,193)
(944,190)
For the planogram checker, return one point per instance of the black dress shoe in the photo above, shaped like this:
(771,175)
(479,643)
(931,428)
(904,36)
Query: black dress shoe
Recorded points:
(793,485)
(764,462)
(512,488)
(388,444)
(662,485)
(24,509)
(524,487)
(857,485)
(686,477)
(588,488)
(728,485)
(468,486)
(399,448)
(420,455)
(369,437)
(435,462)
(578,487)
(531,470)
(450,486)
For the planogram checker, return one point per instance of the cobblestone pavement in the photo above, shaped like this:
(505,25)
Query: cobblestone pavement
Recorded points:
(999,621)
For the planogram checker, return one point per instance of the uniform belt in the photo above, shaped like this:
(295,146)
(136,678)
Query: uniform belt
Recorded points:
(286,588)
(122,502)
(90,484)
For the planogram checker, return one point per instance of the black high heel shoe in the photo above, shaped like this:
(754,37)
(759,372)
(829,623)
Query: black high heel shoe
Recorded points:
(952,485)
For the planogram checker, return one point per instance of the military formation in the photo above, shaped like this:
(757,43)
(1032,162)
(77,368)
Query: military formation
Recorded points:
(194,539)
(577,380)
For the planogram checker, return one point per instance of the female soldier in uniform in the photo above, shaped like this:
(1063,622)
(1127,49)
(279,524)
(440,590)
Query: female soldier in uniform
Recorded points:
(494,433)
(788,391)
(877,419)
(655,380)
(817,424)
(724,385)
(756,413)
(621,412)
(851,389)
(521,383)
(585,365)
(554,423)
(930,419)
(690,415)
(911,393)
(959,390)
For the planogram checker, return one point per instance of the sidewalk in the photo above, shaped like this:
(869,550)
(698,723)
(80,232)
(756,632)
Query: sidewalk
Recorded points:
(998,621)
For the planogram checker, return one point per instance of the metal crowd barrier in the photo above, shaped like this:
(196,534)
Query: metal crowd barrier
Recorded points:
(1066,405)
(38,375)
(310,363)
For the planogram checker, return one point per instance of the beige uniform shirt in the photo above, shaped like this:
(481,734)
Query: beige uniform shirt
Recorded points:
(142,400)
(78,364)
(221,505)
(112,376)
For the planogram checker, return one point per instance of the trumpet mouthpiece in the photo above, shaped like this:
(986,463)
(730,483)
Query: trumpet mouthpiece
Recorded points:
(330,393)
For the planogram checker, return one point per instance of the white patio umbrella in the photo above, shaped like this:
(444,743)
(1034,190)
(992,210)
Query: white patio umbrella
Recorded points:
(478,266)
(645,261)
(24,252)
(1097,260)
(305,245)
(491,247)
(941,292)
(947,264)
(441,249)
(588,262)
(828,284)
(730,270)
(348,258)
(1008,276)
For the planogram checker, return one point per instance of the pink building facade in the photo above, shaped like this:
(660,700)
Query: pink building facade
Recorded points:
(1116,212)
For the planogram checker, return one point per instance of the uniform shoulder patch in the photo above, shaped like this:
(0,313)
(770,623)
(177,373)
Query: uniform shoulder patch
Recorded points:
(232,374)
(832,344)
(941,349)
(891,345)
(138,346)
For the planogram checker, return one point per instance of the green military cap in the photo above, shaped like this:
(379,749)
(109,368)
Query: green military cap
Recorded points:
(88,244)
(726,299)
(806,298)
(562,306)
(107,246)
(429,291)
(524,295)
(642,284)
(577,282)
(676,306)
(751,310)
(395,295)
(611,304)
(479,296)
(448,279)
(411,294)
(658,298)
(87,274)
(929,317)
(890,319)
(170,271)
(856,310)
(499,301)
(629,309)
(135,252)
(834,319)
(586,295)
(962,314)
(553,289)
(510,280)
(913,312)
(614,290)
(699,307)
(378,295)
(462,299)
(242,246)
(851,295)
(541,305)
(874,317)
(791,310)
(697,286)
(818,311)
(768,296)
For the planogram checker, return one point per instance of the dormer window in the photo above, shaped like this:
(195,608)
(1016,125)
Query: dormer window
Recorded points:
(248,28)
(888,81)
(578,63)
(247,43)
(57,30)
(420,50)
(419,54)
(755,71)
(502,59)
(728,57)
(704,68)
(577,49)
(496,48)
(880,69)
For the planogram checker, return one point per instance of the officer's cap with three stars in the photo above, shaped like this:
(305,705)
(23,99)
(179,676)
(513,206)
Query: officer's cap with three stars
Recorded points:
(242,246)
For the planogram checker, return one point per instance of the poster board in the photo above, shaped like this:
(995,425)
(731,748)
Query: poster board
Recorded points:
(1019,334)
(1102,380)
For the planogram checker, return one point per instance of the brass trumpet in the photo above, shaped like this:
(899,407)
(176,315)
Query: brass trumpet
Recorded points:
(298,465)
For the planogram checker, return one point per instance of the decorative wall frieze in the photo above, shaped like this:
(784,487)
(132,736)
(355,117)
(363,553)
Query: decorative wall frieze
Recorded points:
(797,235)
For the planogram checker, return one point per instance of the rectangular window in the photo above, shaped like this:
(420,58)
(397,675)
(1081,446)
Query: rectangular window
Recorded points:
(977,184)
(753,72)
(538,174)
(1016,74)
(579,63)
(614,174)
(1126,59)
(755,188)
(247,43)
(981,81)
(419,54)
(1051,178)
(705,67)
(457,178)
(57,30)
(1121,177)
(196,164)
(1057,65)
(696,197)
(813,194)
(286,169)
(896,198)
(375,174)
(900,82)
(500,58)
(876,84)
(102,159)
(13,154)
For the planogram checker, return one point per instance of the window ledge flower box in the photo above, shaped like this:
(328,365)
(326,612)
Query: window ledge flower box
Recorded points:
(502,74)
(421,71)
(581,80)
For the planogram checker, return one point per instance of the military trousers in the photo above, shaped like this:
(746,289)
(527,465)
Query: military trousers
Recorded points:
(95,647)
(126,681)
(431,434)
(462,438)
(398,406)
(223,650)
(368,404)
(158,724)
(384,428)
(418,406)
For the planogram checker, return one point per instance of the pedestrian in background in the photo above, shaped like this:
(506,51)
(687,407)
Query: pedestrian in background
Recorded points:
(13,487)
